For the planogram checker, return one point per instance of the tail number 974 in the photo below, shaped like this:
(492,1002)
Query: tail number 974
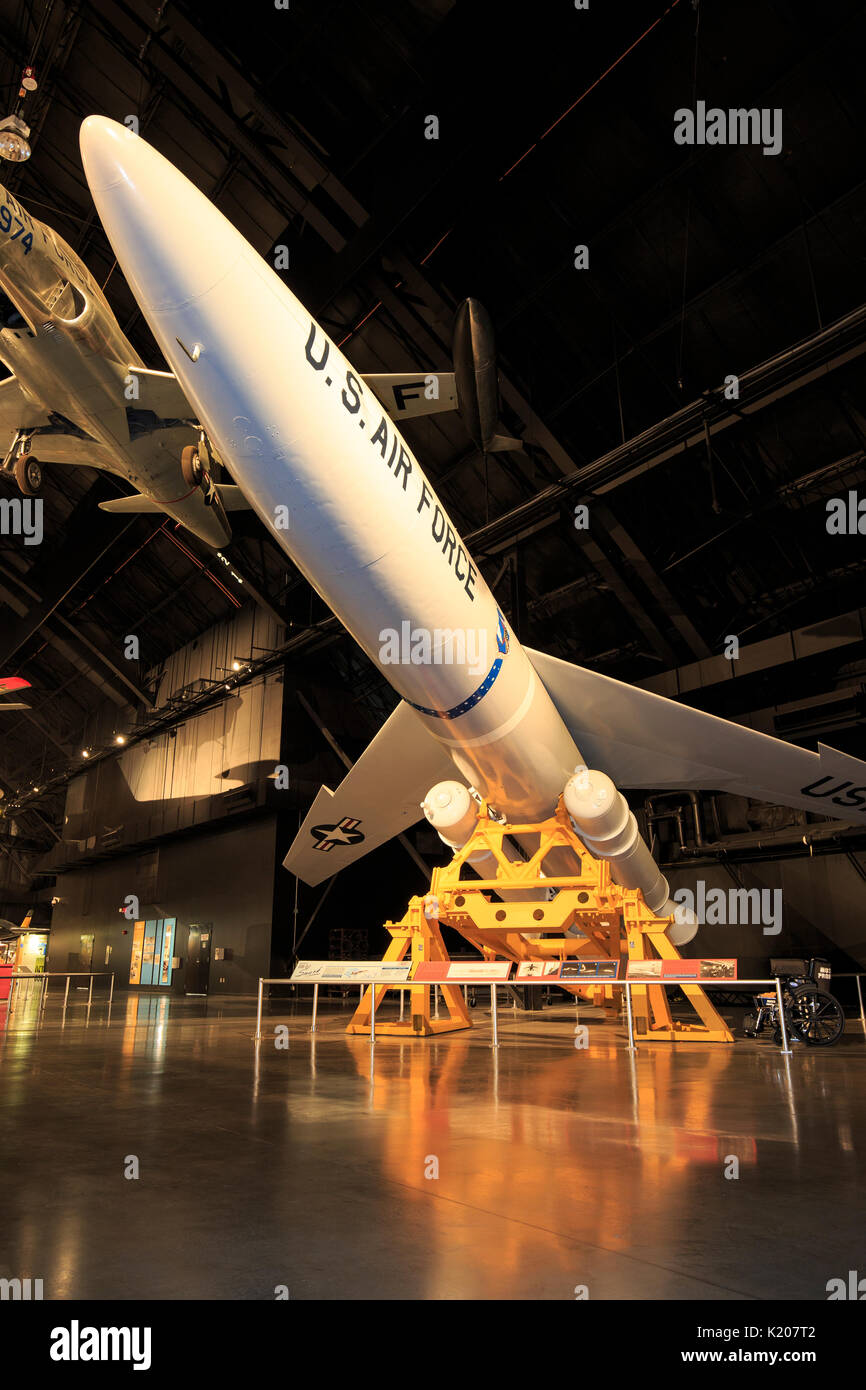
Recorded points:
(6,221)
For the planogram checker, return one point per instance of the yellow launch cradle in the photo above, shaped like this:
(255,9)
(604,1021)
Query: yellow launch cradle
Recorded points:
(615,924)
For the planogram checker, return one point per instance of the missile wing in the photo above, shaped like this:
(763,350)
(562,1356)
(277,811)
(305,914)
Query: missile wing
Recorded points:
(644,740)
(380,797)
(641,740)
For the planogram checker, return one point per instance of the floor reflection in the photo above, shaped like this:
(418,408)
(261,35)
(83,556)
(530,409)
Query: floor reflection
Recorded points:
(426,1169)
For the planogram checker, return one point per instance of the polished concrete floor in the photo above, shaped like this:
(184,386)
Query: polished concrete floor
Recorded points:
(557,1167)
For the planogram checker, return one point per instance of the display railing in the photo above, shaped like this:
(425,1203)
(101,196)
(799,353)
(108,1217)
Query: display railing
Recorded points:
(21,977)
(774,984)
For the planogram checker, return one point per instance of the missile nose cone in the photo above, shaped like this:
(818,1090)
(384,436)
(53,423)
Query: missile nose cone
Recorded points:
(171,243)
(105,151)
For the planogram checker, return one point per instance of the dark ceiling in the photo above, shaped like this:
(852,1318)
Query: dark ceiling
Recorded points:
(306,126)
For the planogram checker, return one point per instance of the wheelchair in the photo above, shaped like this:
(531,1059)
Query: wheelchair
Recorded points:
(812,1015)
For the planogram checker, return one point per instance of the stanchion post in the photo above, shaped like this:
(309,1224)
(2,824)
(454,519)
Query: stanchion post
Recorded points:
(315,1006)
(259,1010)
(786,1050)
(372,1015)
(627,987)
(90,991)
(860,998)
(66,994)
(111,988)
(402,999)
(495,1042)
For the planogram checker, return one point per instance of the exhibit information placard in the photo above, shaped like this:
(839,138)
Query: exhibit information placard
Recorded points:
(167,944)
(135,962)
(551,970)
(354,972)
(462,972)
(649,970)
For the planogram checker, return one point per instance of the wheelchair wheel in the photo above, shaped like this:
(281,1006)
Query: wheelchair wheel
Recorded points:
(816,1018)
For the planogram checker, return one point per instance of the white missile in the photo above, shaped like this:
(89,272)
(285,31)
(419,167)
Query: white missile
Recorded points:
(327,471)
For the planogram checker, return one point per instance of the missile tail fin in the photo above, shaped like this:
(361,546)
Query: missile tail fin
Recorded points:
(406,395)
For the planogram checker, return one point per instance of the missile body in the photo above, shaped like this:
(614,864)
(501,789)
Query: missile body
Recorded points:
(329,474)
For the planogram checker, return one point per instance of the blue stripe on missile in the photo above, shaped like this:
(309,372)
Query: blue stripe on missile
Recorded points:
(472,700)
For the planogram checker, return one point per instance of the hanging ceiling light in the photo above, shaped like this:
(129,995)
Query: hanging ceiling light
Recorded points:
(13,140)
(14,130)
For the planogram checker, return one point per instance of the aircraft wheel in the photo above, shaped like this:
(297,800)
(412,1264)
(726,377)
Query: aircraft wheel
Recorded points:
(191,466)
(750,1025)
(28,474)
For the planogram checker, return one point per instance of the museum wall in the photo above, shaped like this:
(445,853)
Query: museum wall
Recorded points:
(822,904)
(203,768)
(223,877)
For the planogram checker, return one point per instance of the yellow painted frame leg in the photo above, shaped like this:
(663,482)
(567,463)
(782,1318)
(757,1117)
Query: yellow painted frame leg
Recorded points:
(423,936)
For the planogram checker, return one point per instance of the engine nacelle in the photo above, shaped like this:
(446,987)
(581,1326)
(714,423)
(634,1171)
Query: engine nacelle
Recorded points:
(452,810)
(602,818)
(453,813)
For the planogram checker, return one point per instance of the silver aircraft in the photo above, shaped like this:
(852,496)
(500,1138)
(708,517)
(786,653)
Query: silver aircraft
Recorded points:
(79,394)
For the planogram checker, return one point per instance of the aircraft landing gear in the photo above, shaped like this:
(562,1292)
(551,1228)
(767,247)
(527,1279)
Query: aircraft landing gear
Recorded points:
(28,474)
(199,469)
(191,466)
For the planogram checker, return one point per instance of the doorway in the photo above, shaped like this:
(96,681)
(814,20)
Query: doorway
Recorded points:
(197,973)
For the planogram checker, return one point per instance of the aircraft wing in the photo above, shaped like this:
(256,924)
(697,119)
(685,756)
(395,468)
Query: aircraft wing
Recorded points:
(377,799)
(17,411)
(162,393)
(9,684)
(644,740)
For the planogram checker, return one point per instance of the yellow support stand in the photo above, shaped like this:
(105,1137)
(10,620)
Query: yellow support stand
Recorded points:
(420,935)
(590,916)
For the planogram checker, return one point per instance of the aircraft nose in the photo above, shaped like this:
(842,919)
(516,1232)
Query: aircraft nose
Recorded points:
(170,241)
